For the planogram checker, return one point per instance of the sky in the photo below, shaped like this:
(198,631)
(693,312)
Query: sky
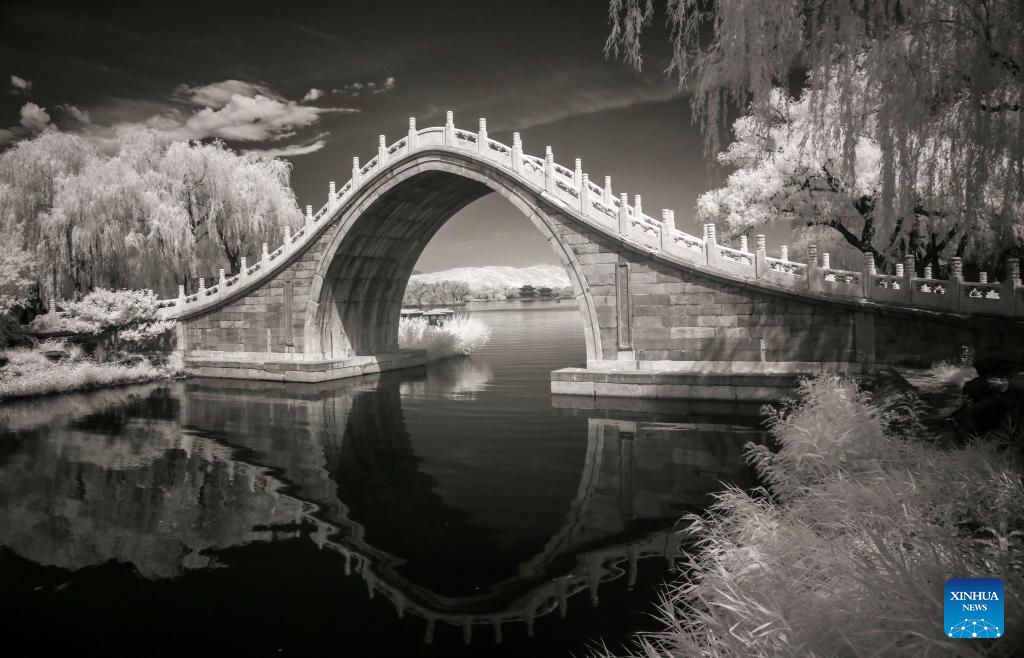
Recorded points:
(316,82)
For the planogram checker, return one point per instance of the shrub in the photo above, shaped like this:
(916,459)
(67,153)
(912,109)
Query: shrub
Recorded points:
(846,551)
(27,373)
(459,336)
(131,316)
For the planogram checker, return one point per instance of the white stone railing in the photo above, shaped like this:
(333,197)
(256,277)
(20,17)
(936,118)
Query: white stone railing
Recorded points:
(600,207)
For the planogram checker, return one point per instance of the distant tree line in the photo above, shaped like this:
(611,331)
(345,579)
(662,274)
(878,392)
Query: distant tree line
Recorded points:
(420,293)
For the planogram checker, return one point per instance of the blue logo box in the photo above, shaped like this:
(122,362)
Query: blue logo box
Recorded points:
(973,608)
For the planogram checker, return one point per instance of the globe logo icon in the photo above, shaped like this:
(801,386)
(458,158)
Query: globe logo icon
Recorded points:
(974,628)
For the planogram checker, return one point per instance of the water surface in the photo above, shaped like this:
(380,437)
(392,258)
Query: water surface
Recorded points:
(456,509)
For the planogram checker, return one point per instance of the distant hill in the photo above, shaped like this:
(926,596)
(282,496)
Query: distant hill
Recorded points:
(500,276)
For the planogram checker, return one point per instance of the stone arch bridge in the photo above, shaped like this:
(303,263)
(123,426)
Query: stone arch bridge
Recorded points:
(665,313)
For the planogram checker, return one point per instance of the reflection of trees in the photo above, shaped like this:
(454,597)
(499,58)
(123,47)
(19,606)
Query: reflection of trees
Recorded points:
(76,495)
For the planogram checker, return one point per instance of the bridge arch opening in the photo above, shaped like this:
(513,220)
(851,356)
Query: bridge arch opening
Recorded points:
(356,296)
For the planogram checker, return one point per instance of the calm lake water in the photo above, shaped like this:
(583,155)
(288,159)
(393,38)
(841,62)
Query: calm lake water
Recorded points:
(429,512)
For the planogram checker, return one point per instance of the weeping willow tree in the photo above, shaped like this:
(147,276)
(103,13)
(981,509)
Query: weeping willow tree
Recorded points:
(155,213)
(937,84)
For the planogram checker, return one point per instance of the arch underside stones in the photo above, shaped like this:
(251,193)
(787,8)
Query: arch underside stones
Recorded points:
(655,325)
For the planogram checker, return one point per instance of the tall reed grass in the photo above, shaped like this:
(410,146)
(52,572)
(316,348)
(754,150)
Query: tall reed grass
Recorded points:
(459,336)
(846,550)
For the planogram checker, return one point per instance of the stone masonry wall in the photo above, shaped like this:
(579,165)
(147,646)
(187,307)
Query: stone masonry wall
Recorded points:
(680,315)
(258,322)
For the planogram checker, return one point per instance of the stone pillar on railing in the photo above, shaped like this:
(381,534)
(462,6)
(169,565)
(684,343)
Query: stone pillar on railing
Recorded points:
(382,151)
(51,308)
(517,151)
(784,253)
(623,214)
(287,236)
(577,174)
(956,279)
(181,295)
(549,170)
(585,195)
(760,256)
(909,273)
(711,246)
(356,175)
(309,210)
(1010,282)
(332,198)
(638,207)
(244,272)
(449,128)
(412,139)
(222,281)
(826,261)
(668,222)
(744,247)
(982,277)
(814,281)
(266,254)
(868,277)
(202,287)
(607,198)
(481,138)
(927,271)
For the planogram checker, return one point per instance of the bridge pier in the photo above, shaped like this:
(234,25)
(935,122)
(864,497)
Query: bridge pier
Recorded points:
(260,367)
(712,384)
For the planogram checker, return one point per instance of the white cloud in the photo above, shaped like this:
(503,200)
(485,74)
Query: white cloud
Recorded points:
(35,118)
(20,85)
(78,113)
(387,85)
(232,110)
(312,95)
(354,89)
(252,119)
(291,151)
(219,94)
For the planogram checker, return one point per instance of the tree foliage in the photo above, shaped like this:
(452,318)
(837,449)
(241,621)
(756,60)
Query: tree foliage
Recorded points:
(780,176)
(131,316)
(939,84)
(17,267)
(420,293)
(154,213)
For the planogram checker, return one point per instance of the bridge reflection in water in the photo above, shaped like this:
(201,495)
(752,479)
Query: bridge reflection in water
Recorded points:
(166,477)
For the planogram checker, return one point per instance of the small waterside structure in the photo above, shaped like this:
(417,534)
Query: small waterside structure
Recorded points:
(434,317)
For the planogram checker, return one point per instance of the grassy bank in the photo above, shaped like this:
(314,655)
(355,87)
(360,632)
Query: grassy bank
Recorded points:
(847,549)
(27,373)
(459,336)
